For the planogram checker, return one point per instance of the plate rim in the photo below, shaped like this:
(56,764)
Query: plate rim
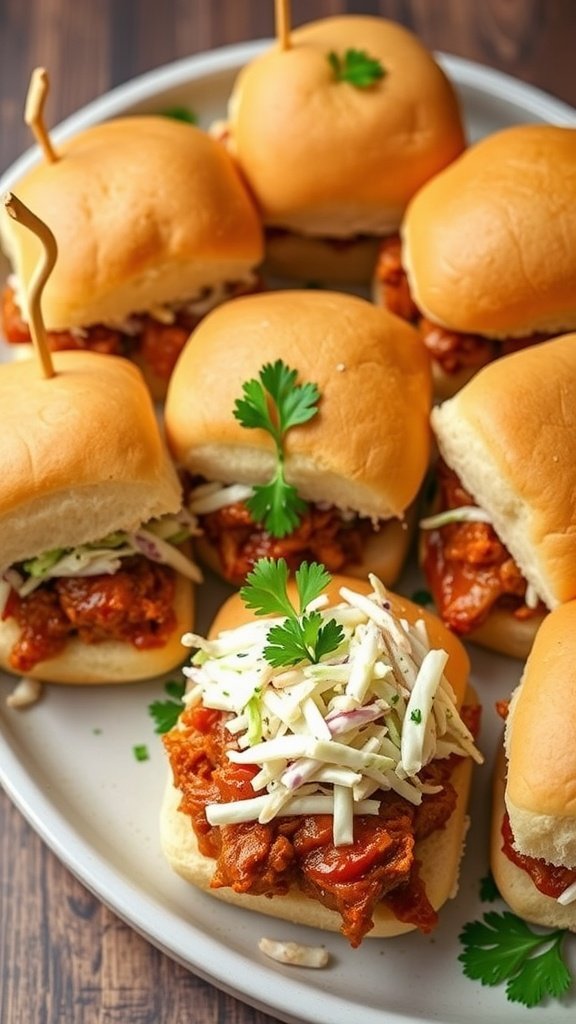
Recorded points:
(106,881)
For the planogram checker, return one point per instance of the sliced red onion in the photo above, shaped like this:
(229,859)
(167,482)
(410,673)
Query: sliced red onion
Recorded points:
(13,577)
(342,721)
(298,772)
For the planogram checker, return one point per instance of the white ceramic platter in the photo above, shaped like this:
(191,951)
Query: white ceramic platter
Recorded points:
(68,763)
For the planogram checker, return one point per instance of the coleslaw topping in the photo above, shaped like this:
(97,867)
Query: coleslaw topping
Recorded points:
(158,540)
(327,735)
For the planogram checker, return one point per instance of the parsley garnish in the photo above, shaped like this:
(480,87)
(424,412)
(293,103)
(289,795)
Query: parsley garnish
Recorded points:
(356,67)
(503,948)
(140,752)
(422,597)
(275,403)
(488,889)
(181,114)
(416,716)
(165,712)
(303,637)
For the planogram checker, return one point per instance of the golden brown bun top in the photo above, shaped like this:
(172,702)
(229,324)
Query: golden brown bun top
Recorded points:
(367,447)
(233,613)
(510,434)
(490,243)
(542,725)
(325,157)
(541,786)
(145,210)
(81,454)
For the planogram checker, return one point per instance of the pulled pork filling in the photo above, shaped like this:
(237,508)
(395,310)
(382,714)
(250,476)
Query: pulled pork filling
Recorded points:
(134,605)
(379,866)
(453,351)
(323,535)
(550,879)
(468,568)
(158,342)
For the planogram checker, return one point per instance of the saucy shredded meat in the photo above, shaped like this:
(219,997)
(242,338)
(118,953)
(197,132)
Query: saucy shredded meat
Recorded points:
(550,879)
(135,605)
(451,350)
(468,568)
(378,867)
(159,344)
(322,536)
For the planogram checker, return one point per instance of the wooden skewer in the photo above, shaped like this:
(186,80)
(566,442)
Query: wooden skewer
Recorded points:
(34,112)
(16,208)
(283,20)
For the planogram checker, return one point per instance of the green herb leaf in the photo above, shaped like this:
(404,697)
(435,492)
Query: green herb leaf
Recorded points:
(286,644)
(488,889)
(140,751)
(266,589)
(276,403)
(416,716)
(277,505)
(356,67)
(300,637)
(422,597)
(503,948)
(181,114)
(311,579)
(166,712)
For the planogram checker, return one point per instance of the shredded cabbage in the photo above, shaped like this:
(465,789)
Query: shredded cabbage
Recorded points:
(156,540)
(329,735)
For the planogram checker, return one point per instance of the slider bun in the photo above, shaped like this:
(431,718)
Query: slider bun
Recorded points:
(510,435)
(384,551)
(504,633)
(320,261)
(366,449)
(515,885)
(439,854)
(145,211)
(541,790)
(439,857)
(489,245)
(81,454)
(323,157)
(112,661)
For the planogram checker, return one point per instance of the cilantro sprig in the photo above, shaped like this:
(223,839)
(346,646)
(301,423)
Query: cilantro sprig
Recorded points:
(165,712)
(181,114)
(276,403)
(304,636)
(356,67)
(502,948)
(488,889)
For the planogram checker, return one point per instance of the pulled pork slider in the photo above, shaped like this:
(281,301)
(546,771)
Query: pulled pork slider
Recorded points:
(487,262)
(154,227)
(331,792)
(534,811)
(334,135)
(502,547)
(93,588)
(338,484)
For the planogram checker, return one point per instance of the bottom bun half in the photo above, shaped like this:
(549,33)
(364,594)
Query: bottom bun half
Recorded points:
(384,551)
(320,261)
(439,855)
(515,885)
(504,633)
(111,661)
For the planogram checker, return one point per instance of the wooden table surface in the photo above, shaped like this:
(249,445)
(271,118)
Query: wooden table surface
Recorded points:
(65,958)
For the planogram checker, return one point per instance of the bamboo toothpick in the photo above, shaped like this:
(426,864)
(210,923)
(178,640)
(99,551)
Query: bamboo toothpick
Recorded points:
(283,20)
(16,208)
(34,112)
